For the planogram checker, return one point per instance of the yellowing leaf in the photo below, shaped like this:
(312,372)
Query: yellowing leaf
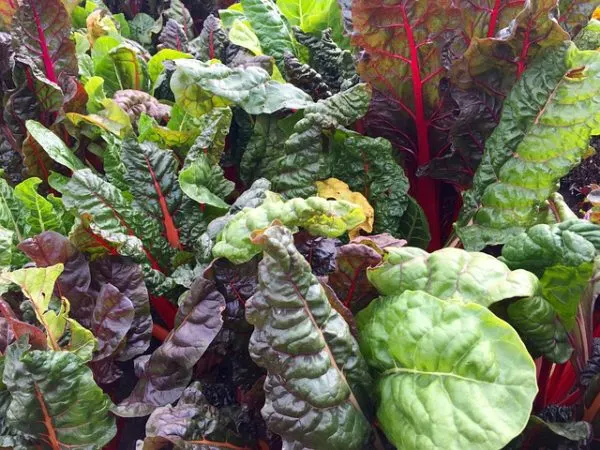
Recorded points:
(596,13)
(337,189)
(100,23)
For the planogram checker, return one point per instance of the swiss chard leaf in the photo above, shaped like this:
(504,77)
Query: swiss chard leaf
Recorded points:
(169,369)
(271,27)
(420,344)
(545,110)
(54,400)
(336,407)
(199,86)
(320,217)
(42,31)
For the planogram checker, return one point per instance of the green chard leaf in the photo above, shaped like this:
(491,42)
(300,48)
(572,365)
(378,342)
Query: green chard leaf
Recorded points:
(53,145)
(368,166)
(38,213)
(470,277)
(325,382)
(546,124)
(199,86)
(319,216)
(205,183)
(302,160)
(114,213)
(433,357)
(122,68)
(568,243)
(54,399)
(271,27)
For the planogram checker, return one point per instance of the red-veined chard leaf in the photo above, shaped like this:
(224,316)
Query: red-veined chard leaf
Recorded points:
(181,15)
(111,210)
(14,328)
(574,14)
(308,330)
(54,400)
(169,369)
(485,18)
(42,31)
(172,37)
(349,279)
(212,41)
(152,178)
(121,67)
(544,132)
(403,41)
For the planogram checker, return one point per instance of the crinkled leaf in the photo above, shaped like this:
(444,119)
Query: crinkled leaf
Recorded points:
(334,64)
(180,14)
(152,178)
(37,213)
(110,210)
(320,217)
(329,388)
(536,320)
(205,183)
(211,42)
(568,243)
(173,37)
(169,369)
(574,14)
(128,278)
(544,132)
(305,77)
(199,86)
(368,166)
(438,356)
(302,160)
(486,18)
(214,126)
(55,401)
(136,103)
(318,251)
(563,287)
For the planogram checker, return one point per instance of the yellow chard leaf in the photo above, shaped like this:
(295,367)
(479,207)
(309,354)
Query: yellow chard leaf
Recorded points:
(338,190)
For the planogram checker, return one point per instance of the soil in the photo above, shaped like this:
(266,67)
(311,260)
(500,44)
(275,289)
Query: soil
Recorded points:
(574,187)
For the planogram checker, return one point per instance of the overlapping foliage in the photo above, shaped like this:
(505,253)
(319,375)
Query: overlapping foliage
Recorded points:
(227,218)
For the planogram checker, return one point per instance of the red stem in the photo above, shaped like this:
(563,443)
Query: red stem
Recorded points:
(543,376)
(165,309)
(46,58)
(494,19)
(427,188)
(159,332)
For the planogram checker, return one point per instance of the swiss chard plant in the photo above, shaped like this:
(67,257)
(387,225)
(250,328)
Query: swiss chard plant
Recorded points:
(298,224)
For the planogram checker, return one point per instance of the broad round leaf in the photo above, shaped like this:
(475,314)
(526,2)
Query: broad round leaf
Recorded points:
(452,376)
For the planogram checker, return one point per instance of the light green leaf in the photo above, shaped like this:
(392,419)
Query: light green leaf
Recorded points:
(95,91)
(451,274)
(205,183)
(319,216)
(241,34)
(433,359)
(309,15)
(563,287)
(53,145)
(122,68)
(544,132)
(200,86)
(271,27)
(38,213)
(155,65)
